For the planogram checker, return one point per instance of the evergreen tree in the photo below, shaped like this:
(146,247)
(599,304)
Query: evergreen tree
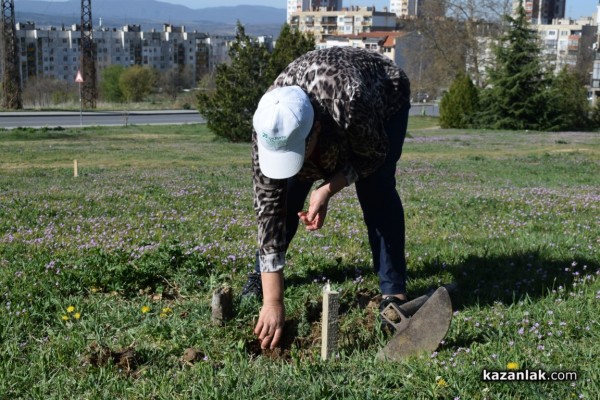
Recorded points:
(595,117)
(290,45)
(568,107)
(516,96)
(238,88)
(459,104)
(228,109)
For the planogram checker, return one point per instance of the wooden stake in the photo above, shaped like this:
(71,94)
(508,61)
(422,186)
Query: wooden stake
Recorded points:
(222,306)
(329,330)
(75,172)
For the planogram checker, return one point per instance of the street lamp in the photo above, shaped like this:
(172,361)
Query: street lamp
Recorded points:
(420,66)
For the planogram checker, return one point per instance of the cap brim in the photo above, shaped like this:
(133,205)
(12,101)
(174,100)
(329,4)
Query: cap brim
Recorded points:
(280,164)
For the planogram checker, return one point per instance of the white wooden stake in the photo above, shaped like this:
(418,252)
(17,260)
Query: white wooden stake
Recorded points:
(75,172)
(329,330)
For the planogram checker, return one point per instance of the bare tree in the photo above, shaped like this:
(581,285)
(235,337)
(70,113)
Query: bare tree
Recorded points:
(173,81)
(46,91)
(451,37)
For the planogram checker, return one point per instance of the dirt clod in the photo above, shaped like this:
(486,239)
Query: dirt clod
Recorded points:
(126,359)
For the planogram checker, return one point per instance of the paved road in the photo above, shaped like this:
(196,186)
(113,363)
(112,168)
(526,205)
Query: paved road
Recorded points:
(429,109)
(66,119)
(73,119)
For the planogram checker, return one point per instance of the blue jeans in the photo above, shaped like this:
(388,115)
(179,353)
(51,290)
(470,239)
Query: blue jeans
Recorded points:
(382,211)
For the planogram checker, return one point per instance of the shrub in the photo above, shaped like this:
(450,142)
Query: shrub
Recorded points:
(459,104)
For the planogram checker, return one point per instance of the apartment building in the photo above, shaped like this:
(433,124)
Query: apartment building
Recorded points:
(55,52)
(542,11)
(407,8)
(384,42)
(595,81)
(564,41)
(294,6)
(347,21)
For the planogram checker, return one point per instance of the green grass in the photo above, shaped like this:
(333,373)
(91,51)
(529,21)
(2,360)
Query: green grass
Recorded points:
(161,216)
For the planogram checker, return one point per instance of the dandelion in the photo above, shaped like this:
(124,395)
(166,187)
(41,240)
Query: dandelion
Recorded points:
(77,315)
(145,309)
(65,317)
(512,366)
(70,309)
(441,382)
(165,312)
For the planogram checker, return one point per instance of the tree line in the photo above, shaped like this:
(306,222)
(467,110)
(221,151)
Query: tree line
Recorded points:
(520,93)
(117,84)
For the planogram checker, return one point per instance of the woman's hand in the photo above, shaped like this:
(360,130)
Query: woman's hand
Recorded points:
(271,319)
(270,325)
(314,218)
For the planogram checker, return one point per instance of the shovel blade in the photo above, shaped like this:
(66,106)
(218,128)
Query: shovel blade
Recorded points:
(426,329)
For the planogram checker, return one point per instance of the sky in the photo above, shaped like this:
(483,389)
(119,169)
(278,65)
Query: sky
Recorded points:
(575,8)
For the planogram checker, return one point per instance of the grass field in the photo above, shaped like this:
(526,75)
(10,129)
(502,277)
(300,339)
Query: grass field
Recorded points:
(106,279)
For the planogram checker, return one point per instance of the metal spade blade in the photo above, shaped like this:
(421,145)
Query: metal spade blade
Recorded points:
(423,332)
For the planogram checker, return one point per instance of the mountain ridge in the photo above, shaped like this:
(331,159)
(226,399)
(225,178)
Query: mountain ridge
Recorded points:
(258,20)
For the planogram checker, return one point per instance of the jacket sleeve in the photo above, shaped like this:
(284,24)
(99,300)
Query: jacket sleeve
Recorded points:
(270,207)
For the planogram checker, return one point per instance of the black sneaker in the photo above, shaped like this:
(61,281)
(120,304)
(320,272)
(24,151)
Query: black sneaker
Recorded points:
(253,286)
(391,314)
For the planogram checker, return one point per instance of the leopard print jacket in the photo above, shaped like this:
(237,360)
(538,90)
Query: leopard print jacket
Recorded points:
(357,91)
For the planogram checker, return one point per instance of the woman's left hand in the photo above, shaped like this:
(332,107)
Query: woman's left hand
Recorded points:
(314,218)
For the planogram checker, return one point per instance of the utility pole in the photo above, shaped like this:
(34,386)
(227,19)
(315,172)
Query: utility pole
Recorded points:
(11,78)
(88,57)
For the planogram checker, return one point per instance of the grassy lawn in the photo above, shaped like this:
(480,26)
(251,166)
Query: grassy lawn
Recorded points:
(106,279)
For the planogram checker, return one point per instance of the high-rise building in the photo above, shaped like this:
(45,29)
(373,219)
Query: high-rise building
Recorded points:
(55,52)
(542,11)
(356,20)
(294,6)
(406,8)
(595,84)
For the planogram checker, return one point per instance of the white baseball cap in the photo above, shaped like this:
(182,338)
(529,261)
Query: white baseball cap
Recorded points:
(282,121)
